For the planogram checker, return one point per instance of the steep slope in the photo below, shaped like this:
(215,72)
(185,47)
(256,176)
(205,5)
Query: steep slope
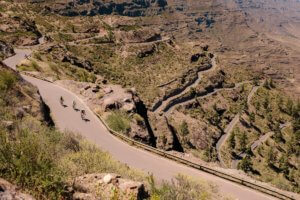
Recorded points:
(161,53)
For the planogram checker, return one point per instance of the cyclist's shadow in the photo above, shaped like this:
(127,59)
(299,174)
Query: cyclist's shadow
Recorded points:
(86,120)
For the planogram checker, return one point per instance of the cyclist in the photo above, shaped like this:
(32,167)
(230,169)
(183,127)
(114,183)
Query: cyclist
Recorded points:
(62,100)
(74,105)
(83,114)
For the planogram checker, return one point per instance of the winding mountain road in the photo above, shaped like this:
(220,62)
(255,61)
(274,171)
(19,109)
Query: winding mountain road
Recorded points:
(165,102)
(231,125)
(95,132)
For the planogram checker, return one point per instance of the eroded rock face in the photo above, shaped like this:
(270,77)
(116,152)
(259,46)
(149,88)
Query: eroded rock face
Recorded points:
(18,31)
(6,50)
(138,36)
(105,186)
(11,192)
(78,62)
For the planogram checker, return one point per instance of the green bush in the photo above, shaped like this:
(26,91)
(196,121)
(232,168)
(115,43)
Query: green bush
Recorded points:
(44,161)
(7,80)
(184,129)
(32,67)
(182,188)
(119,122)
(25,161)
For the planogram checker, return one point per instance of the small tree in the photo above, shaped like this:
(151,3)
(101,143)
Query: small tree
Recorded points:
(290,107)
(267,84)
(232,140)
(283,164)
(271,157)
(252,117)
(280,104)
(266,102)
(271,83)
(184,129)
(257,105)
(246,164)
(278,137)
(243,142)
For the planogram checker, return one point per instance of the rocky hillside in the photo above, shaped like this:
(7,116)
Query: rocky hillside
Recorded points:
(216,82)
(105,7)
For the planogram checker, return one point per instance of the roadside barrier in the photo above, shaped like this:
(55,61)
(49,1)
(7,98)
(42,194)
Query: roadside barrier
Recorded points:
(36,76)
(206,169)
(165,154)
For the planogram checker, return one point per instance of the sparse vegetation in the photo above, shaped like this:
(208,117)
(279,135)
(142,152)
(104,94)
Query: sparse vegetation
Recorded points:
(119,122)
(33,66)
(184,129)
(183,188)
(40,159)
(7,80)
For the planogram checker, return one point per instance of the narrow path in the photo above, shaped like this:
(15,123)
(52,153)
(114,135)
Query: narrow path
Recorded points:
(169,110)
(261,140)
(265,137)
(95,132)
(77,42)
(225,136)
(230,127)
(161,108)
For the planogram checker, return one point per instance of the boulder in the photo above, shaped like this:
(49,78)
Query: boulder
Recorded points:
(20,112)
(96,89)
(220,108)
(11,192)
(111,104)
(139,132)
(6,50)
(147,51)
(95,186)
(83,196)
(8,124)
(108,90)
(85,64)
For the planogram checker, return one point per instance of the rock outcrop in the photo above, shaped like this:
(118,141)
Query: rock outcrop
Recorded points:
(6,50)
(107,186)
(18,31)
(78,62)
(11,192)
(141,35)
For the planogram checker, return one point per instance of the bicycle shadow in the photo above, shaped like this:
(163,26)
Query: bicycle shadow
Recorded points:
(76,109)
(86,120)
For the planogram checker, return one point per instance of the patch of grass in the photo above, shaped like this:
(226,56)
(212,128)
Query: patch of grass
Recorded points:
(184,129)
(54,68)
(62,37)
(38,56)
(183,188)
(39,159)
(119,122)
(33,66)
(129,27)
(7,80)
